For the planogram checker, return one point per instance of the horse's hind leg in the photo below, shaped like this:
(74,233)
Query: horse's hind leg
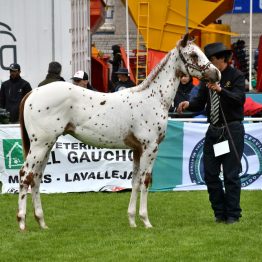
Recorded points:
(21,214)
(36,199)
(38,210)
(30,175)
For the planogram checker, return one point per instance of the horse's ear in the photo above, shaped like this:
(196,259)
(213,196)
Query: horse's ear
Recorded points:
(192,38)
(183,42)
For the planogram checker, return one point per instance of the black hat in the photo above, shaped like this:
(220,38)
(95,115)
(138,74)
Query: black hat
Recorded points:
(215,48)
(80,75)
(14,67)
(122,71)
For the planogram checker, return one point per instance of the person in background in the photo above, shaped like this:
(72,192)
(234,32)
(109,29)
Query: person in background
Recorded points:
(80,78)
(183,91)
(54,74)
(12,92)
(116,63)
(124,80)
(224,103)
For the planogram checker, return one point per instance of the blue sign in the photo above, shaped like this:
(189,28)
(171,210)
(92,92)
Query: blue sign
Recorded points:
(242,6)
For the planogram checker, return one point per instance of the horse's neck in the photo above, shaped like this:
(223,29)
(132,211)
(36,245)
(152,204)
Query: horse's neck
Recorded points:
(164,83)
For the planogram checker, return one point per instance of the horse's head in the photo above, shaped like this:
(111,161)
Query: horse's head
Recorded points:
(194,62)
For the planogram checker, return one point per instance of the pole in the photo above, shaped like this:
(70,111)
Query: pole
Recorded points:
(53,29)
(127,37)
(250,44)
(187,15)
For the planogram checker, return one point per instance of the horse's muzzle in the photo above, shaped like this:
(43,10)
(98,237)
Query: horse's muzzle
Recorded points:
(212,75)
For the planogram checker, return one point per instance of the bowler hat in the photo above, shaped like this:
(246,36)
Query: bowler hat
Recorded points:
(14,67)
(122,71)
(215,48)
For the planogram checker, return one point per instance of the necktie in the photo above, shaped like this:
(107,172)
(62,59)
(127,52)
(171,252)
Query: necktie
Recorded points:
(214,113)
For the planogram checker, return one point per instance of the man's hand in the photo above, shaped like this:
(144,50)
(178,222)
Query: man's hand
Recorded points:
(182,106)
(214,86)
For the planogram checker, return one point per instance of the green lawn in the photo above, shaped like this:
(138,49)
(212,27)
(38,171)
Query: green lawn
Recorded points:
(94,227)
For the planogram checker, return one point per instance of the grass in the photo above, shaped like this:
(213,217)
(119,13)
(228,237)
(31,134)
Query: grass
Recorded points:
(94,227)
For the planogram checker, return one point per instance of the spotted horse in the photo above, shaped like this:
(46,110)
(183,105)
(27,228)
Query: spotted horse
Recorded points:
(134,118)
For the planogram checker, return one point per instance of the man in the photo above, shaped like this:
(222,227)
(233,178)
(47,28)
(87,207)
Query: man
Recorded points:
(116,62)
(12,92)
(123,80)
(54,74)
(80,78)
(224,105)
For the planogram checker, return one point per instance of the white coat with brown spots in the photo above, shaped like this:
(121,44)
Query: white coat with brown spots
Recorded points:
(133,118)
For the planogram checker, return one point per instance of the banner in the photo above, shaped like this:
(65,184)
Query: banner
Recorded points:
(76,167)
(193,170)
(72,166)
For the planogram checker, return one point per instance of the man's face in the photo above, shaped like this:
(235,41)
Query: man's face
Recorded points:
(14,74)
(217,62)
(82,83)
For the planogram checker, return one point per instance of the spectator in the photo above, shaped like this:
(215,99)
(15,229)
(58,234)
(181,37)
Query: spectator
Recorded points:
(12,92)
(80,78)
(123,80)
(54,71)
(116,63)
(183,91)
(224,103)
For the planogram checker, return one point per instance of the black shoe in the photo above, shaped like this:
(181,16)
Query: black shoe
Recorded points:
(220,220)
(232,220)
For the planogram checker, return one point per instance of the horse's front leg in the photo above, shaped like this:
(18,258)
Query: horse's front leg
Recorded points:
(146,165)
(135,189)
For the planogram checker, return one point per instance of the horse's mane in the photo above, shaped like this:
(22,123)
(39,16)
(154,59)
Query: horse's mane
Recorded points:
(181,43)
(145,84)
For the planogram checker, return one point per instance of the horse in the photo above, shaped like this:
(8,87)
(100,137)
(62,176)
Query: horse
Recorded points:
(134,118)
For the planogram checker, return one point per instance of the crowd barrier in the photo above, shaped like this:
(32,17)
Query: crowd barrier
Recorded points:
(76,167)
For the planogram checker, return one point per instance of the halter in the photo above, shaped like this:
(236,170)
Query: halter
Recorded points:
(188,65)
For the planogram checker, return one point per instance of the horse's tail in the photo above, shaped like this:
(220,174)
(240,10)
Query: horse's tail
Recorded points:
(24,134)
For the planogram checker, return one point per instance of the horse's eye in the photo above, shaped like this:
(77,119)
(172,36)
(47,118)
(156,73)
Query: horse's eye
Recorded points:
(194,57)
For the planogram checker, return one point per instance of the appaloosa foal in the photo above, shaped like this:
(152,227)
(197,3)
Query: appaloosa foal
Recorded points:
(134,118)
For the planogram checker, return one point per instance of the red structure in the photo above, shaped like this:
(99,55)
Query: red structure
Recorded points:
(99,73)
(97,14)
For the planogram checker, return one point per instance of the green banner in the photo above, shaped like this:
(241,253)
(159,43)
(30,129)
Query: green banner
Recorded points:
(13,153)
(169,163)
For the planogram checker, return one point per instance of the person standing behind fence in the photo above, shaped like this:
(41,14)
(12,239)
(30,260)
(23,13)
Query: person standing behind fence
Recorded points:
(183,91)
(124,80)
(80,78)
(116,63)
(224,103)
(12,92)
(54,74)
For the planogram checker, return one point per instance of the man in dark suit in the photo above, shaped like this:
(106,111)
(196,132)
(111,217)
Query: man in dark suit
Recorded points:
(224,104)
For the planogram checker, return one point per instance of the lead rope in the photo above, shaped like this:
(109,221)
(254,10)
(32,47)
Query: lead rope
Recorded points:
(230,137)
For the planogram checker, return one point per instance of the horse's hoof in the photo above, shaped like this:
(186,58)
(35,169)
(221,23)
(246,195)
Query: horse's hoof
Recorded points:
(44,227)
(22,228)
(132,225)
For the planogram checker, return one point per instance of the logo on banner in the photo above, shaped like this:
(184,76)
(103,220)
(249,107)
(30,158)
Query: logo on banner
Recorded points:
(13,153)
(251,162)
